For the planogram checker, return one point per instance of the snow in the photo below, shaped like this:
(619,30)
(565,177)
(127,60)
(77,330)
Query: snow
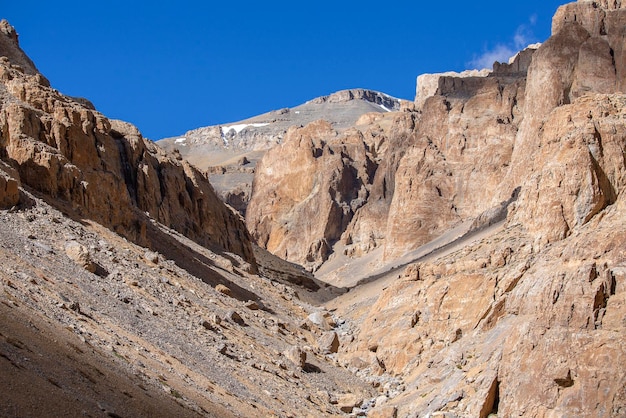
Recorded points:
(384,108)
(240,127)
(181,140)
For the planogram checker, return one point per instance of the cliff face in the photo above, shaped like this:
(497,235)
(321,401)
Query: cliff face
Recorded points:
(428,171)
(307,190)
(102,169)
(470,145)
(570,180)
(528,319)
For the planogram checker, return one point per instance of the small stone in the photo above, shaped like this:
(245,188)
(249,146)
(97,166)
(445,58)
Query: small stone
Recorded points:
(322,319)
(348,401)
(252,305)
(223,290)
(208,325)
(151,256)
(235,317)
(383,412)
(80,255)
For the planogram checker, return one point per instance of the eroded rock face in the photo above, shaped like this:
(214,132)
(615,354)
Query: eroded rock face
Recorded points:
(420,173)
(461,147)
(530,320)
(307,190)
(9,186)
(580,169)
(499,320)
(105,170)
(569,157)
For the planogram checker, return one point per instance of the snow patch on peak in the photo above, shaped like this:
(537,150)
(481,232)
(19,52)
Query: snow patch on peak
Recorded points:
(240,127)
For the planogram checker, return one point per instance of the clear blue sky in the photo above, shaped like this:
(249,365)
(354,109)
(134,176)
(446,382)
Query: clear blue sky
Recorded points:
(169,67)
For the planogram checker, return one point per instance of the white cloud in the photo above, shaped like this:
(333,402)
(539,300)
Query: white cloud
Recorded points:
(522,37)
(500,53)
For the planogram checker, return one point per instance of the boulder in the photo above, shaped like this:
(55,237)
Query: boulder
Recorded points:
(80,255)
(328,343)
(296,355)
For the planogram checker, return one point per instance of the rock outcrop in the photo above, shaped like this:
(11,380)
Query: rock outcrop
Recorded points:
(9,186)
(530,319)
(460,149)
(428,84)
(427,171)
(103,169)
(306,191)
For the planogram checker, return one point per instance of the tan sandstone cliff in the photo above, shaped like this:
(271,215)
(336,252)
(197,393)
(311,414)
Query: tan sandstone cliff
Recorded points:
(103,169)
(428,171)
(529,319)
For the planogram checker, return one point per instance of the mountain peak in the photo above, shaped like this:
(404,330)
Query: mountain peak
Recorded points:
(10,48)
(387,102)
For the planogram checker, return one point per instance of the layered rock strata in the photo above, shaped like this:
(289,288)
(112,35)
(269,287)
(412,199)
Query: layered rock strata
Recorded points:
(529,320)
(103,169)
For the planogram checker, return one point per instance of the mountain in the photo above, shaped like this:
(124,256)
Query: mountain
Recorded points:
(231,151)
(129,288)
(460,256)
(481,232)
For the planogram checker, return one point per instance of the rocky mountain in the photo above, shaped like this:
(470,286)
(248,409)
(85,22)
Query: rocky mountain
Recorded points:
(480,231)
(231,151)
(103,169)
(130,289)
(395,181)
(483,229)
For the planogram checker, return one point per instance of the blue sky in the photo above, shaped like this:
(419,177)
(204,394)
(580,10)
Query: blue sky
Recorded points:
(169,67)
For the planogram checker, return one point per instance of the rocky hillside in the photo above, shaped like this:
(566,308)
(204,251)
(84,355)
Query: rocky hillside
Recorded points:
(129,288)
(103,169)
(480,229)
(484,227)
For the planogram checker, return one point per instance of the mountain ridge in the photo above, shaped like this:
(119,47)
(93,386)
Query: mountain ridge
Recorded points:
(113,248)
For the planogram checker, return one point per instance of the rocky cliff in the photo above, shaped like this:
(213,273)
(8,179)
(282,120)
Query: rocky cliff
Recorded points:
(102,169)
(428,170)
(481,230)
(525,318)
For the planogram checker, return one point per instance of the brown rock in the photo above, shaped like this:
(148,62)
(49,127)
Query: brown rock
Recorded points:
(252,305)
(383,412)
(322,319)
(296,355)
(234,317)
(348,401)
(329,342)
(223,289)
(80,255)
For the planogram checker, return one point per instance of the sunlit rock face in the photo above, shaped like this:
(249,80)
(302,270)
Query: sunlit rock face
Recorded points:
(102,168)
